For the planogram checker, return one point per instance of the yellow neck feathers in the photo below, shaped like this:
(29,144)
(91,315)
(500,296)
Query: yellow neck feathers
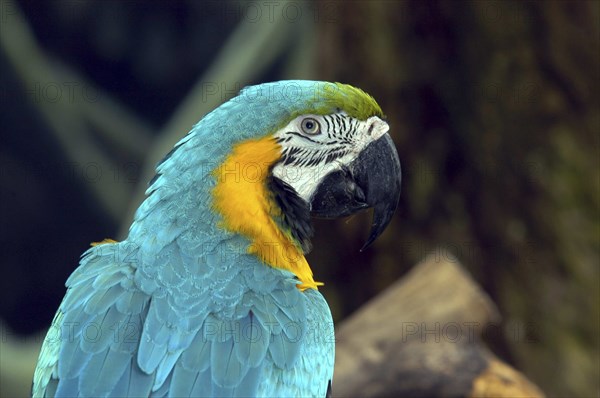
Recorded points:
(247,206)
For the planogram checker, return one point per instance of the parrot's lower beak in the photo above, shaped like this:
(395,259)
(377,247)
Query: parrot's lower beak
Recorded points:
(371,180)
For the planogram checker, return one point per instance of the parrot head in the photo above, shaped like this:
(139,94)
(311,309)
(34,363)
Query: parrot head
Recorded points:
(340,162)
(265,162)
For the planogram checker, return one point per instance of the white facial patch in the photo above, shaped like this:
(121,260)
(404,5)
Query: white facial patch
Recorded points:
(307,157)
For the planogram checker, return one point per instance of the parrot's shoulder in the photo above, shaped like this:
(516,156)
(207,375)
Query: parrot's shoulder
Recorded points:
(182,324)
(221,315)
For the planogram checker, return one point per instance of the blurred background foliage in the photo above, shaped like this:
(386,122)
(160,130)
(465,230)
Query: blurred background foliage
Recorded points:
(494,108)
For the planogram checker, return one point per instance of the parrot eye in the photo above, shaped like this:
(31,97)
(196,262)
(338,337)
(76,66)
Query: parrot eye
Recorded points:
(310,126)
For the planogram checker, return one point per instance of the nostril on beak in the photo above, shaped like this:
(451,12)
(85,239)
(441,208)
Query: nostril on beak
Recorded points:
(371,128)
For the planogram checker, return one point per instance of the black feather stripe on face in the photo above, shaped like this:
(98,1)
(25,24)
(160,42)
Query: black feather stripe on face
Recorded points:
(340,131)
(295,212)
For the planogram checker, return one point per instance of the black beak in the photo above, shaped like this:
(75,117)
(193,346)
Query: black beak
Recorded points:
(371,180)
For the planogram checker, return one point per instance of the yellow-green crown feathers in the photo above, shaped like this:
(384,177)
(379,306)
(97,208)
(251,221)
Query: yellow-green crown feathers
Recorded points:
(354,101)
(323,98)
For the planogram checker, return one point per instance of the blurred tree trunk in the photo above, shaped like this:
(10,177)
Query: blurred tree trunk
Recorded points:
(494,107)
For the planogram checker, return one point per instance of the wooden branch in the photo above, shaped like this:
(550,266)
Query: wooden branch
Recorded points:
(421,338)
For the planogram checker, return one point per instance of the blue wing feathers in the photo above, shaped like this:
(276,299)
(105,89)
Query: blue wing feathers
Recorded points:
(174,277)
(88,380)
(128,334)
(140,383)
(106,280)
(202,386)
(197,357)
(156,333)
(278,351)
(218,391)
(150,355)
(288,324)
(182,339)
(172,360)
(133,382)
(167,233)
(68,388)
(74,320)
(75,297)
(165,368)
(121,388)
(72,360)
(51,388)
(147,339)
(285,298)
(163,391)
(182,382)
(113,367)
(146,283)
(253,343)
(249,384)
(227,370)
(267,320)
(100,331)
(131,302)
(89,259)
(103,299)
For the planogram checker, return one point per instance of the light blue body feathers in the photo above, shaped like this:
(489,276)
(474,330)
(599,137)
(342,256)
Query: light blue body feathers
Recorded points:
(180,308)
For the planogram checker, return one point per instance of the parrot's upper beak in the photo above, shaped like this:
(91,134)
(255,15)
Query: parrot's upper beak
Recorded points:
(371,180)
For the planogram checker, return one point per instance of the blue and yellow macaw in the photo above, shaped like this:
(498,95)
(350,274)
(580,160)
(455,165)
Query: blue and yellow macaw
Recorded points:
(210,294)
